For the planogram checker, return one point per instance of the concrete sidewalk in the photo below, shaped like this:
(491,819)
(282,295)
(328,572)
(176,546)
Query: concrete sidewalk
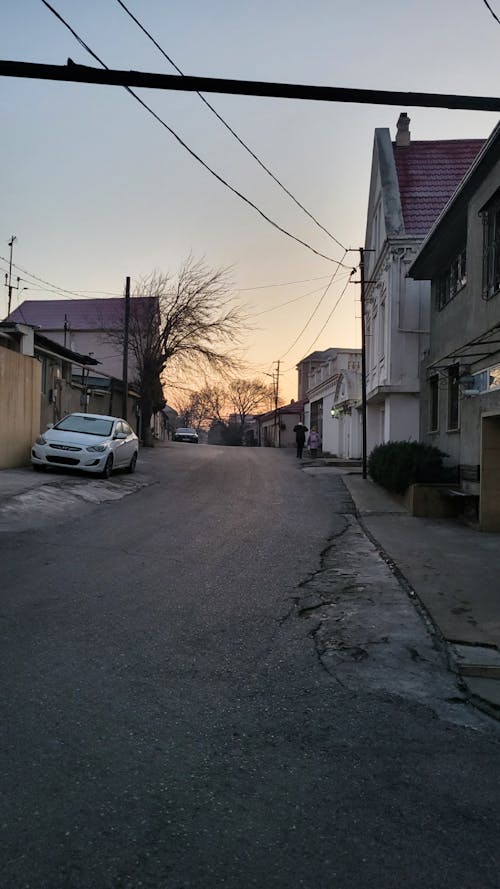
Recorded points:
(454,571)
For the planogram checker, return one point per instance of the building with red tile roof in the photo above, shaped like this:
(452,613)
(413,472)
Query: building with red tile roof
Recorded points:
(428,173)
(410,184)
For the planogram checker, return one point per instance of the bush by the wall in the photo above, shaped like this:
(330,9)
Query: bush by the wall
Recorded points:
(398,464)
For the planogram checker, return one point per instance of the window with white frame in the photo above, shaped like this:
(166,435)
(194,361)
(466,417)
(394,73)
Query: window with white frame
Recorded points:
(491,247)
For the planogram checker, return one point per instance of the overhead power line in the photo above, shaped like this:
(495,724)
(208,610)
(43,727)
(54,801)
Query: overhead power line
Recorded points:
(486,4)
(182,142)
(229,127)
(83,74)
(311,316)
(290,301)
(50,287)
(331,313)
(283,283)
(54,288)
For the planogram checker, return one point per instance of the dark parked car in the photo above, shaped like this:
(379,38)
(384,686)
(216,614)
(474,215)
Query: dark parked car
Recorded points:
(186,434)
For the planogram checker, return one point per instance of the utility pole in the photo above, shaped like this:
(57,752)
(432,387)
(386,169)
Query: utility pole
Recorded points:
(363,357)
(126,326)
(276,380)
(8,278)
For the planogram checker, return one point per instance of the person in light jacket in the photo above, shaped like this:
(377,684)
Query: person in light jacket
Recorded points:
(313,442)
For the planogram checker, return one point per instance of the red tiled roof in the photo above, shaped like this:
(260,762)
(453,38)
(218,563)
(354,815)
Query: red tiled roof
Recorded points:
(82,314)
(428,174)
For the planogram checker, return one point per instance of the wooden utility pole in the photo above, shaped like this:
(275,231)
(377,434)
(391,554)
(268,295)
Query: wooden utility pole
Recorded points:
(126,325)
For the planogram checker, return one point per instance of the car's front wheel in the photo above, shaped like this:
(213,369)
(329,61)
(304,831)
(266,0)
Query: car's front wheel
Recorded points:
(131,466)
(108,467)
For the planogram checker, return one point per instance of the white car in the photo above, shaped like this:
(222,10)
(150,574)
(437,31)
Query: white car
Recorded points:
(186,434)
(90,442)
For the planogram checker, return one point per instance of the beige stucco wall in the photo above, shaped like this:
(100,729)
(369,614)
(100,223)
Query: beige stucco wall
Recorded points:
(20,381)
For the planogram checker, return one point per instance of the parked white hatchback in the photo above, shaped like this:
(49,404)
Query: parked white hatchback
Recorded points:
(90,442)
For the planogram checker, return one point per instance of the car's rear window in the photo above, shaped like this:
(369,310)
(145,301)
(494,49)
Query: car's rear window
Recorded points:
(87,425)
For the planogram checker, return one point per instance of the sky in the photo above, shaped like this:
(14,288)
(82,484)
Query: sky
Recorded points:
(94,189)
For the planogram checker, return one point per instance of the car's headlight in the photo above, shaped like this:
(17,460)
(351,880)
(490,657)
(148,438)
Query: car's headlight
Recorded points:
(40,440)
(99,448)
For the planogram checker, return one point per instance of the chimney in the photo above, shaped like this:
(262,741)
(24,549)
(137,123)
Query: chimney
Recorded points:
(403,130)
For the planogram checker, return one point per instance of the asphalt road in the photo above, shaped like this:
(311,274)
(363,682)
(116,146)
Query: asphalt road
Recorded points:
(183,707)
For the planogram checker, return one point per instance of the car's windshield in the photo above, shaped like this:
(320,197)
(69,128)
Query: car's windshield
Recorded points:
(190,431)
(87,425)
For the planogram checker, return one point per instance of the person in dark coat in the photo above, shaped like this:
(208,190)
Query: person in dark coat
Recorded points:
(300,438)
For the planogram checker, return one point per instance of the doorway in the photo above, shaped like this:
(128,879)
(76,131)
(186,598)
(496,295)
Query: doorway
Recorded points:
(489,500)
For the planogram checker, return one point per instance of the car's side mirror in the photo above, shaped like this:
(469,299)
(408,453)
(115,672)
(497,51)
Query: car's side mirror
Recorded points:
(50,426)
(119,436)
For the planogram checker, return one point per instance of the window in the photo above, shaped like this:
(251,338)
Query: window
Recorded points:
(87,424)
(491,248)
(381,323)
(453,397)
(451,280)
(434,403)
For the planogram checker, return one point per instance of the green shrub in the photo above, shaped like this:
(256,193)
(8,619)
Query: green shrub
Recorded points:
(398,464)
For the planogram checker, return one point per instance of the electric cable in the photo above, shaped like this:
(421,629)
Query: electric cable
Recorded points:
(490,9)
(229,128)
(88,294)
(283,283)
(330,315)
(290,301)
(54,288)
(311,316)
(192,152)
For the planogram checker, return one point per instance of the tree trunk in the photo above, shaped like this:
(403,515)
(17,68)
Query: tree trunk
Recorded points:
(146,414)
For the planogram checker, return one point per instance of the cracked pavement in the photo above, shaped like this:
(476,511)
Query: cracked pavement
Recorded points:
(368,629)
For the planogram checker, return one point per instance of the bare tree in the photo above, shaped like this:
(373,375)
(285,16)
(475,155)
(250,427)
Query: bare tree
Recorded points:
(200,409)
(248,397)
(190,320)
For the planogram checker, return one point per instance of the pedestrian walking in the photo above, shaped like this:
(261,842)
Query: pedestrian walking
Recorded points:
(300,438)
(313,442)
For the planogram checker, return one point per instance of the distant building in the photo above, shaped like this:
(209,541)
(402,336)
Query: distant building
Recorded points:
(331,385)
(275,428)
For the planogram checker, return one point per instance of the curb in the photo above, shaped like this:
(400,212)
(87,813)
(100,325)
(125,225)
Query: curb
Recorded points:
(479,681)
